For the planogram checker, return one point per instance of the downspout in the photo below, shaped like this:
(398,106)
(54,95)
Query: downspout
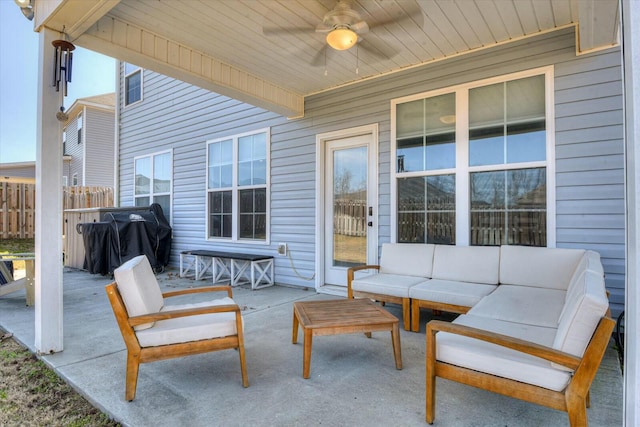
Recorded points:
(84,144)
(116,140)
(631,68)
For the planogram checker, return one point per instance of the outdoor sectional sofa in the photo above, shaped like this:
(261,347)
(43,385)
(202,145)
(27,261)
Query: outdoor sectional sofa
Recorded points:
(534,322)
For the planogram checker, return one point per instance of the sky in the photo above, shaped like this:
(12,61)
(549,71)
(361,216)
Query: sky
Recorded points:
(93,74)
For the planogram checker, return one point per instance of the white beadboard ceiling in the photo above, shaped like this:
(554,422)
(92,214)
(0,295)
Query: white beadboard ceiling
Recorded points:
(220,44)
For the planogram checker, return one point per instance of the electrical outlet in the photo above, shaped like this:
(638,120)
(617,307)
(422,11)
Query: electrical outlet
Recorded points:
(282,249)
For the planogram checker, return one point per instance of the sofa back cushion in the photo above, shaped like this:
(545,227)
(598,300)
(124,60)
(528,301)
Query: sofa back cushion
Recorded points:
(410,259)
(584,307)
(139,288)
(476,264)
(539,267)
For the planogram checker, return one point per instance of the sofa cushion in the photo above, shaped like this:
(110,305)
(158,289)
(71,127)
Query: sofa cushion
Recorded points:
(584,308)
(190,328)
(476,264)
(522,304)
(139,288)
(497,360)
(465,294)
(386,284)
(409,259)
(539,267)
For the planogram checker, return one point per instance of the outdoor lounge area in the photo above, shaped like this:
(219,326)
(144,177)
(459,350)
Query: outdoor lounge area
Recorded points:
(353,380)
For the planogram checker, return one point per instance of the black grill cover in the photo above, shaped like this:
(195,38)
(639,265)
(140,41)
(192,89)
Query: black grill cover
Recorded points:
(124,235)
(97,240)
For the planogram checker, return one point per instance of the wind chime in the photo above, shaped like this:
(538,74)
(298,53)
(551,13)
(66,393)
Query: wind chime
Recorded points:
(62,62)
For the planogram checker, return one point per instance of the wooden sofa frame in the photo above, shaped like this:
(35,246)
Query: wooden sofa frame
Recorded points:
(137,354)
(404,302)
(574,399)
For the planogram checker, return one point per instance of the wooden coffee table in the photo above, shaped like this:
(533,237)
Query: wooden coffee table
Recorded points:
(344,316)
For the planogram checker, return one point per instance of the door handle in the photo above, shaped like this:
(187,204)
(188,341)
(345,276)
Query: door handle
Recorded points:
(370,210)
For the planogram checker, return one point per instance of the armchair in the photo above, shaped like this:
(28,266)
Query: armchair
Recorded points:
(155,331)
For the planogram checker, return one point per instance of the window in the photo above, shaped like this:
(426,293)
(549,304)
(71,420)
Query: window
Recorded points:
(65,180)
(472,163)
(153,175)
(74,179)
(132,83)
(237,187)
(79,126)
(64,142)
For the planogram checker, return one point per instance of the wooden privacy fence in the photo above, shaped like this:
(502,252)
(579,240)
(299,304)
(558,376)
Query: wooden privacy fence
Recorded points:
(17,210)
(17,206)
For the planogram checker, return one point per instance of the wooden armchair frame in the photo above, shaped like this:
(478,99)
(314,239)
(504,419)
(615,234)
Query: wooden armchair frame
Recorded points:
(574,399)
(26,282)
(137,354)
(404,302)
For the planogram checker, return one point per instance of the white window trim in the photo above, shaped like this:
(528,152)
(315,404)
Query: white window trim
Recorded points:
(124,84)
(151,194)
(463,170)
(235,189)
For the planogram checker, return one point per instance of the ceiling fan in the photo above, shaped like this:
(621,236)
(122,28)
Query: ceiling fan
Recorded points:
(344,28)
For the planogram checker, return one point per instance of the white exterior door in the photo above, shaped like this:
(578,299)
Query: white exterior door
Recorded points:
(350,205)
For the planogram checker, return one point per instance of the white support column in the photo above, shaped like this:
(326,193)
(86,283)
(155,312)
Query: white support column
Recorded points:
(631,49)
(48,227)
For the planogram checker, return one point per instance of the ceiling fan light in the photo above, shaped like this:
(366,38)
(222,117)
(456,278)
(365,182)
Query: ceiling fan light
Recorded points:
(342,38)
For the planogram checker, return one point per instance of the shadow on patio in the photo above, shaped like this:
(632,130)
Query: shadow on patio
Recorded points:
(353,379)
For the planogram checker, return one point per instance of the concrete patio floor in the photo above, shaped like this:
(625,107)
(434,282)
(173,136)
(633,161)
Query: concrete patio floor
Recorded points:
(353,379)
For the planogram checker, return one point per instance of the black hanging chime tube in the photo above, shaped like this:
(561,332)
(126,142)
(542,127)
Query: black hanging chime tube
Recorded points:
(62,62)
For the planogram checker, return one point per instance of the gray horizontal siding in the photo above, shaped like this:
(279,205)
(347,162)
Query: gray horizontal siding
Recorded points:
(589,166)
(99,146)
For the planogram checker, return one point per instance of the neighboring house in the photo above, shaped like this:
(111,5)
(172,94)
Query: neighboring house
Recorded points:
(88,142)
(26,171)
(521,143)
(17,170)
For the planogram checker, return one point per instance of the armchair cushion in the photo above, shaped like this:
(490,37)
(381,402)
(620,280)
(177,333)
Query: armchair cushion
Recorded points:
(451,292)
(501,361)
(407,259)
(538,267)
(139,288)
(190,328)
(522,304)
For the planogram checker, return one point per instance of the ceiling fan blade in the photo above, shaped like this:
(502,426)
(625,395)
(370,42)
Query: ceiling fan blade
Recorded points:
(321,28)
(360,27)
(377,50)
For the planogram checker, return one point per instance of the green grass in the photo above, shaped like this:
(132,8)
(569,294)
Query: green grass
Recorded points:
(31,394)
(14,246)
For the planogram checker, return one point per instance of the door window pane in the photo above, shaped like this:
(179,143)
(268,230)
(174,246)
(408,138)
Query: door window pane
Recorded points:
(350,207)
